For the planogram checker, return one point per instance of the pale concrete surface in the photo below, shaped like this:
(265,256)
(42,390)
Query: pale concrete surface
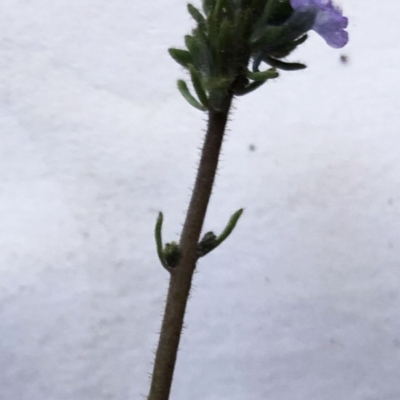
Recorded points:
(303,300)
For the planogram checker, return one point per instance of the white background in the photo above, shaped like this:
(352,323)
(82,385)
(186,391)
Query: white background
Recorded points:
(301,303)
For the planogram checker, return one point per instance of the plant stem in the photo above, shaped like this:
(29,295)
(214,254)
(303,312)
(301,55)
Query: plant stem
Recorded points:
(181,275)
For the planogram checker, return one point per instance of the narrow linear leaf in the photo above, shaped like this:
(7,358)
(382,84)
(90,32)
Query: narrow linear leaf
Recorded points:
(283,50)
(226,46)
(209,242)
(158,237)
(264,36)
(247,24)
(188,96)
(198,86)
(182,57)
(249,88)
(221,9)
(229,227)
(225,35)
(285,66)
(196,14)
(204,61)
(198,49)
(208,5)
(239,25)
(271,4)
(271,73)
(213,30)
(190,44)
(300,40)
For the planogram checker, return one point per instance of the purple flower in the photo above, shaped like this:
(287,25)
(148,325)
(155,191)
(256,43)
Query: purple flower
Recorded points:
(329,21)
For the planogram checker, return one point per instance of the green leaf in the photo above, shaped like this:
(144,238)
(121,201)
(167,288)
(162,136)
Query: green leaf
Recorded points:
(210,241)
(182,57)
(271,73)
(199,51)
(239,26)
(269,7)
(196,14)
(225,35)
(283,50)
(223,9)
(247,24)
(225,51)
(204,62)
(285,66)
(190,44)
(266,36)
(233,220)
(206,244)
(276,12)
(249,88)
(188,96)
(158,237)
(172,254)
(208,6)
(300,40)
(198,86)
(213,27)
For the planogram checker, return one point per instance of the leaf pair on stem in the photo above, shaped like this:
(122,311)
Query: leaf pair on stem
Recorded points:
(169,253)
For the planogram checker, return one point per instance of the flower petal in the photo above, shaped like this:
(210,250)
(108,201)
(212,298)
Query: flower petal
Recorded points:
(337,39)
(296,4)
(329,22)
(331,19)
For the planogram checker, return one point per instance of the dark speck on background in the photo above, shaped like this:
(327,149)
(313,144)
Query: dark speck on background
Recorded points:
(344,58)
(252,147)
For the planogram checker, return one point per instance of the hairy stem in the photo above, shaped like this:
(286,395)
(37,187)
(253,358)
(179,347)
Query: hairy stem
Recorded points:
(181,275)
